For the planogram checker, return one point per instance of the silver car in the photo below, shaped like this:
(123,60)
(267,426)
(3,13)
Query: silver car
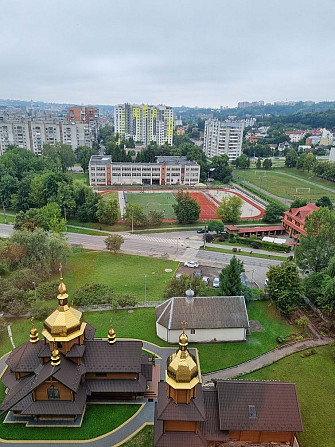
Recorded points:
(216,282)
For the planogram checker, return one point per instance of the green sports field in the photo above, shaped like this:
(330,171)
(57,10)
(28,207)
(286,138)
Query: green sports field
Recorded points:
(283,186)
(160,201)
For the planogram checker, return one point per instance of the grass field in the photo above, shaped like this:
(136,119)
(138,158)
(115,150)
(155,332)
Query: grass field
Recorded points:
(141,324)
(282,185)
(113,195)
(79,176)
(144,438)
(315,380)
(154,201)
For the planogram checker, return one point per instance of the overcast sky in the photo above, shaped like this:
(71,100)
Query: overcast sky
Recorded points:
(174,52)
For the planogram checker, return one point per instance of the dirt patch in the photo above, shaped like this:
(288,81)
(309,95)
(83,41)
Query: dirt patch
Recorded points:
(255,326)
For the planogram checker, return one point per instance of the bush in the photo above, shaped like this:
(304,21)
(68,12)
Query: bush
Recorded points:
(93,293)
(41,310)
(47,290)
(125,300)
(221,238)
(15,301)
(256,244)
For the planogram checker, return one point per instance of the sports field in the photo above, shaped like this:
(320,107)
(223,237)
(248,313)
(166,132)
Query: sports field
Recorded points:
(283,186)
(154,201)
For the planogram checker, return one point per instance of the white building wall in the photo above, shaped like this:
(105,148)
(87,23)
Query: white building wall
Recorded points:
(202,335)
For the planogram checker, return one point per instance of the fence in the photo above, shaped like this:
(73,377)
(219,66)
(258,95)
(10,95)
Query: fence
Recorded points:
(102,307)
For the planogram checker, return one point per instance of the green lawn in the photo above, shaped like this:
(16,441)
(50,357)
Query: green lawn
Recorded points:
(98,420)
(247,253)
(282,185)
(113,195)
(86,231)
(154,201)
(10,218)
(315,380)
(80,176)
(140,323)
(310,177)
(144,438)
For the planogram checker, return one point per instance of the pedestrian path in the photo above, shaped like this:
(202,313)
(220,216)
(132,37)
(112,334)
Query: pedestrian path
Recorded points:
(265,359)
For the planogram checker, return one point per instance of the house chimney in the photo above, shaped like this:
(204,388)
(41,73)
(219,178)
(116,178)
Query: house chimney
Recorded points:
(189,295)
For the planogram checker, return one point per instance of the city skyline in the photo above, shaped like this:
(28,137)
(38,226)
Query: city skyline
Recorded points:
(185,54)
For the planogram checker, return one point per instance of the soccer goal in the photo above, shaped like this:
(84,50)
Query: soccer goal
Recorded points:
(302,190)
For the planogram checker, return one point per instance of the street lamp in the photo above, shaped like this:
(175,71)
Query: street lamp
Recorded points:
(145,289)
(132,220)
(34,285)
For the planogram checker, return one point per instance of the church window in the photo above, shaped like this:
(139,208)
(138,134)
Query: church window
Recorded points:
(53,392)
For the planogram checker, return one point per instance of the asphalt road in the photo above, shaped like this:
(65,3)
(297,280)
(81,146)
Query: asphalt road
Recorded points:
(180,246)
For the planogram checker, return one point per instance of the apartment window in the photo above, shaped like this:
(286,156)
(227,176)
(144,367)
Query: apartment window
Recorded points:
(193,331)
(53,392)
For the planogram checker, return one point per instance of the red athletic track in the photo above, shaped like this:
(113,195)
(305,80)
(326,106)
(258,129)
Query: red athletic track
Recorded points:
(208,208)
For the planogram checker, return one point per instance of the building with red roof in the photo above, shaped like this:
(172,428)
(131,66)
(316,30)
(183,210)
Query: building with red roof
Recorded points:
(294,220)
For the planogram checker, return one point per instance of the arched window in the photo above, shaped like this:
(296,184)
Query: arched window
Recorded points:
(53,392)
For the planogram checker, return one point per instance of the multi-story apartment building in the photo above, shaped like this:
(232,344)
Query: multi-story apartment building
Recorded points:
(223,138)
(144,123)
(33,134)
(83,114)
(166,171)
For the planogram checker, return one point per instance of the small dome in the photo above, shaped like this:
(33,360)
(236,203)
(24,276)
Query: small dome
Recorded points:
(182,367)
(183,340)
(55,357)
(111,336)
(33,332)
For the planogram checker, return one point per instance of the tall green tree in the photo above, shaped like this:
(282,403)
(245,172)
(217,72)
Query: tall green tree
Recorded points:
(230,278)
(222,171)
(83,155)
(108,211)
(291,158)
(258,163)
(60,156)
(318,246)
(230,209)
(273,213)
(285,287)
(186,209)
(242,162)
(325,201)
(267,163)
(134,214)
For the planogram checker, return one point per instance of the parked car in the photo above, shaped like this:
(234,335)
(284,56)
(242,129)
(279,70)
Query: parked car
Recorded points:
(198,273)
(192,264)
(202,230)
(216,282)
(205,279)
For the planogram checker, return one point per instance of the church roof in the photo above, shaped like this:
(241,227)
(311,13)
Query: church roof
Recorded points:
(24,358)
(258,406)
(212,312)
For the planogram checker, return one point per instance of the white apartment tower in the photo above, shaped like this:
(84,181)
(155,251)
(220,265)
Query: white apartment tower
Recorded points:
(144,123)
(223,138)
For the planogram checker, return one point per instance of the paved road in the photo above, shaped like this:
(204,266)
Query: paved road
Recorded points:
(180,246)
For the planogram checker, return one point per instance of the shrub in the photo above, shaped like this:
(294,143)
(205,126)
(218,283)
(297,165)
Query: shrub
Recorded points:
(256,244)
(15,301)
(93,293)
(125,300)
(40,310)
(47,290)
(221,238)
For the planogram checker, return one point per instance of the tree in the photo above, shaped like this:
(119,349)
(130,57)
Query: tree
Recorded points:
(291,158)
(65,197)
(155,218)
(178,286)
(324,201)
(318,246)
(230,278)
(217,226)
(135,215)
(186,209)
(326,299)
(221,168)
(83,154)
(58,251)
(230,209)
(113,242)
(242,162)
(302,323)
(258,163)
(267,163)
(108,211)
(273,213)
(285,287)
(8,186)
(61,156)
(298,203)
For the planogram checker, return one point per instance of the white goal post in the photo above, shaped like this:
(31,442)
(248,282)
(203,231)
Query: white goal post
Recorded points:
(302,190)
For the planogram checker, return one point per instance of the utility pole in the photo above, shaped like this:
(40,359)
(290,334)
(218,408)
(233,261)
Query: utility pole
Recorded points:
(205,237)
(132,220)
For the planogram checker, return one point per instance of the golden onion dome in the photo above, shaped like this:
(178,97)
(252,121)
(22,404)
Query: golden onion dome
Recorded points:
(182,369)
(65,322)
(55,357)
(111,335)
(33,332)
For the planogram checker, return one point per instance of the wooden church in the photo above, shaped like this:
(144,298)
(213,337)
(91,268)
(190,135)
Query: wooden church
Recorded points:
(52,378)
(231,413)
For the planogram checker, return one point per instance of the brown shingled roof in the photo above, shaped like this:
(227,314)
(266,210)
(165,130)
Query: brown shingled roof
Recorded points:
(117,385)
(211,427)
(25,357)
(169,411)
(203,312)
(122,356)
(274,404)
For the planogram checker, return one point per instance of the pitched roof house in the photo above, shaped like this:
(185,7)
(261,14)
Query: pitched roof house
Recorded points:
(53,378)
(294,220)
(219,318)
